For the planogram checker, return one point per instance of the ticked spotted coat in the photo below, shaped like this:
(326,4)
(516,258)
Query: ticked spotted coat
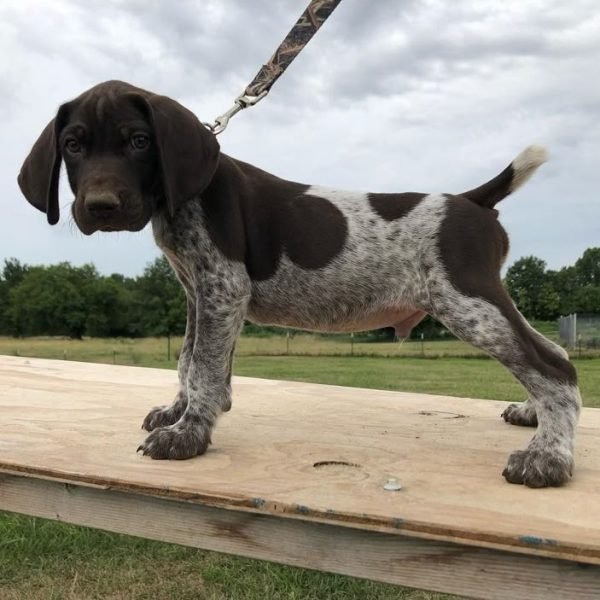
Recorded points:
(246,244)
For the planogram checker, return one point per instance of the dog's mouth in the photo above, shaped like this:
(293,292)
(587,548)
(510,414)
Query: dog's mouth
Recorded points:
(122,221)
(88,228)
(112,227)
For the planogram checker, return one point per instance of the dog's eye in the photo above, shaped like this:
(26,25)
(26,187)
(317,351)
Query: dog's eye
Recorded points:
(140,141)
(72,145)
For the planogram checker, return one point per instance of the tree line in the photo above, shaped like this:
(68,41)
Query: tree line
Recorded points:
(72,301)
(75,301)
(544,294)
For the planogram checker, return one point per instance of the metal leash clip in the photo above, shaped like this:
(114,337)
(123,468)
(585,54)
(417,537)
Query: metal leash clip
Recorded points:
(241,102)
(309,22)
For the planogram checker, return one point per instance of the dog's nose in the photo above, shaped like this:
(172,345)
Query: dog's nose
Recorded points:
(101,202)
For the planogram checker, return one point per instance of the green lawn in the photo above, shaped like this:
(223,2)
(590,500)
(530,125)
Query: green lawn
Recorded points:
(450,366)
(47,560)
(468,377)
(44,560)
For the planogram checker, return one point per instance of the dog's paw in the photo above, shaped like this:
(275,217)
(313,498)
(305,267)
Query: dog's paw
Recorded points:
(161,416)
(537,467)
(178,441)
(521,414)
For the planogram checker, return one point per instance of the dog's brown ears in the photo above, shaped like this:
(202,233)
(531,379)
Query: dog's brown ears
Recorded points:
(189,153)
(40,172)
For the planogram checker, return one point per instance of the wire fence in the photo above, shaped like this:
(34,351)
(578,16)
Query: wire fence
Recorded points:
(580,334)
(144,351)
(580,331)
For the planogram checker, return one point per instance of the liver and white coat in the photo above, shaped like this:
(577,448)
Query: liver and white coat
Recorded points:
(248,245)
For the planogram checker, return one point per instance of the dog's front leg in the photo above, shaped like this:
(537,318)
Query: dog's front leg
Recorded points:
(220,310)
(160,416)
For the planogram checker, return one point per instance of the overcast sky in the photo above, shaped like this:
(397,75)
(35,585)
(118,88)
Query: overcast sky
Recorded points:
(390,95)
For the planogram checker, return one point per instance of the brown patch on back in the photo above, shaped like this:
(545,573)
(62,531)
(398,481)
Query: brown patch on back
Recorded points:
(394,206)
(313,231)
(253,217)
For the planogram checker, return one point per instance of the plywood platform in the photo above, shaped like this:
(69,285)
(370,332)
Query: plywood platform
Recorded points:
(296,474)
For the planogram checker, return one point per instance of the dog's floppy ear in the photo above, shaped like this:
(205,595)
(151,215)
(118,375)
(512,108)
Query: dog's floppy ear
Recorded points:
(39,174)
(189,153)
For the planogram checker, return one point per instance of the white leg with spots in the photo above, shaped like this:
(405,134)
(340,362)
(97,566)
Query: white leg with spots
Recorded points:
(501,331)
(524,413)
(221,306)
(160,416)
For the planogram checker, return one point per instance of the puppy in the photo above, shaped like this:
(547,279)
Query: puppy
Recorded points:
(246,244)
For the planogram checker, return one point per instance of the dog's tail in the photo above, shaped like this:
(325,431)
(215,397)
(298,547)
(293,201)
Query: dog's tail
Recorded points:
(512,178)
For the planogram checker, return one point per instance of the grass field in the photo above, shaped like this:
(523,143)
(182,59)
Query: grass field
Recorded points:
(43,560)
(449,367)
(47,560)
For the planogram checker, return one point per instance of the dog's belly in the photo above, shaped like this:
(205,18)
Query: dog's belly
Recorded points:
(337,301)
(403,320)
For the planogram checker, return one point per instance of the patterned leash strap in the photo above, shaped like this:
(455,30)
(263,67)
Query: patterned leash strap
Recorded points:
(301,33)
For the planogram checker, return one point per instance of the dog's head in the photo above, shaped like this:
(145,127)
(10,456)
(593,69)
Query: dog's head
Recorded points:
(126,151)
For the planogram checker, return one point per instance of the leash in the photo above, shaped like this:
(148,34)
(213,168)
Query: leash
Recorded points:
(300,34)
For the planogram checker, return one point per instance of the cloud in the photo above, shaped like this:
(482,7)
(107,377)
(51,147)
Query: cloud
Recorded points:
(418,95)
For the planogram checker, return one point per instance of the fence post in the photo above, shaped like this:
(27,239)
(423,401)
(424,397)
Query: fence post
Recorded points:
(567,329)
(422,345)
(287,343)
(352,343)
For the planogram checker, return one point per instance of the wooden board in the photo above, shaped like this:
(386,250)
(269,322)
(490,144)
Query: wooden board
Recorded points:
(277,453)
(392,558)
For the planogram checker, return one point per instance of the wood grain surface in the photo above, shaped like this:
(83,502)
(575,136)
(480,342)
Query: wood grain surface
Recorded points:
(313,453)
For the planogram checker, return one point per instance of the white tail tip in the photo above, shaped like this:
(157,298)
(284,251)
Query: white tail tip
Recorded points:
(526,163)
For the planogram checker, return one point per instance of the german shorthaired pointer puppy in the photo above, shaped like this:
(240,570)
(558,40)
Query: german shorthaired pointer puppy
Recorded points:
(248,245)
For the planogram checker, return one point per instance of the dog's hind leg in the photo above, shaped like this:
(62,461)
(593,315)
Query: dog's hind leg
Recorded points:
(524,413)
(490,321)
